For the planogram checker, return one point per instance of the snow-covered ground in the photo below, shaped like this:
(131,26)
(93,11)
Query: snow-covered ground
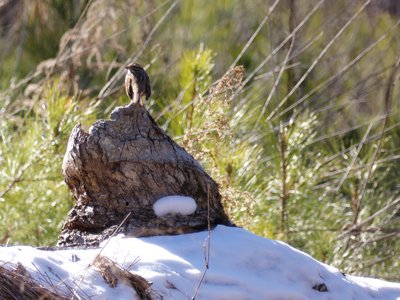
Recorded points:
(241,266)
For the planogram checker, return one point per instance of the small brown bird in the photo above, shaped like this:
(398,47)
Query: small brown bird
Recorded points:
(137,83)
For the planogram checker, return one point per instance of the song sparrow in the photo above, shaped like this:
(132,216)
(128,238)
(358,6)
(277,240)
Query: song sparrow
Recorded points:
(137,83)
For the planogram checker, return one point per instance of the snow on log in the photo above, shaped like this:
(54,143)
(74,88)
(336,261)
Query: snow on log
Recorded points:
(174,205)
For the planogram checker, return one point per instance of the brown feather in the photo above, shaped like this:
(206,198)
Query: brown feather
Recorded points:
(137,83)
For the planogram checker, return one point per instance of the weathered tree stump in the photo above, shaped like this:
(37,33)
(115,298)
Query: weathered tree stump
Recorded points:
(124,165)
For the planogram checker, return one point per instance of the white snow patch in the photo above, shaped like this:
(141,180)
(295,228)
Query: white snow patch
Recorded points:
(174,205)
(242,266)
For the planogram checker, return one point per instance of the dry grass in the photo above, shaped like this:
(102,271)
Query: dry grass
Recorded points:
(17,284)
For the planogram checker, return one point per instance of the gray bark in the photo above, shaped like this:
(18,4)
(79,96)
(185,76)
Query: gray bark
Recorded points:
(124,165)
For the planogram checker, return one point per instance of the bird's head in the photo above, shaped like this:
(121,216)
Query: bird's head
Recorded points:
(134,67)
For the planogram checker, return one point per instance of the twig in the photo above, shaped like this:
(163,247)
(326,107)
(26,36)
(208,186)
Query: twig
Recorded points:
(134,262)
(361,166)
(14,285)
(69,38)
(207,247)
(335,77)
(280,46)
(118,75)
(69,288)
(343,132)
(112,273)
(77,291)
(277,81)
(22,39)
(388,107)
(254,35)
(102,248)
(320,55)
(16,179)
(115,231)
(284,193)
(350,167)
(370,218)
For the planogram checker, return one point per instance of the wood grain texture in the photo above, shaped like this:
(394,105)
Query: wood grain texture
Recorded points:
(124,165)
